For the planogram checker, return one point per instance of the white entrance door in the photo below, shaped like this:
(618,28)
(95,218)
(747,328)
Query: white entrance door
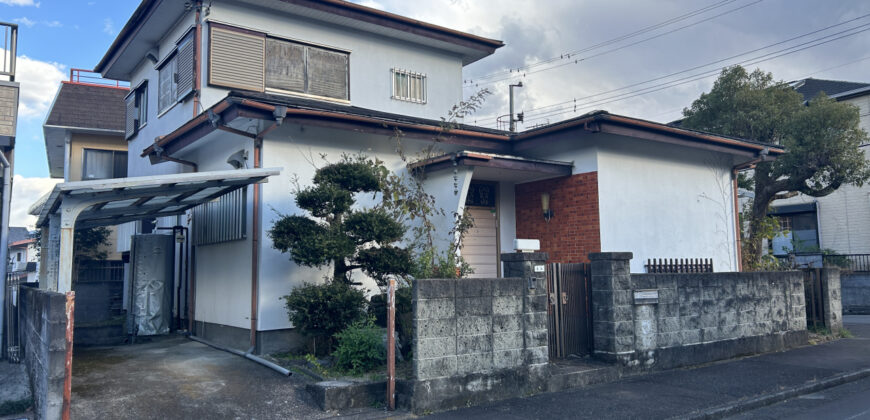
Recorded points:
(480,246)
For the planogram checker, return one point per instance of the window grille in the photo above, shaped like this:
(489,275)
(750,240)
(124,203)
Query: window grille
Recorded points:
(409,86)
(221,220)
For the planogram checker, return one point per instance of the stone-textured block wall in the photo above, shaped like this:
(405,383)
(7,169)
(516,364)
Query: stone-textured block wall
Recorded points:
(697,317)
(474,326)
(8,108)
(574,231)
(855,289)
(43,338)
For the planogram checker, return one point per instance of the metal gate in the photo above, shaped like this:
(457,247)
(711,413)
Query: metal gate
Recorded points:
(570,310)
(11,315)
(813,292)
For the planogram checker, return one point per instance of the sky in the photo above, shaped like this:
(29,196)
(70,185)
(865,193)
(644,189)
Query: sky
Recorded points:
(573,56)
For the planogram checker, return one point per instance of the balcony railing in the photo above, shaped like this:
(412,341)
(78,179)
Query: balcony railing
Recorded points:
(10,49)
(849,262)
(87,77)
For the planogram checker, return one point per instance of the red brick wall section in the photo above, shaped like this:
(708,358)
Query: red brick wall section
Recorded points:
(574,231)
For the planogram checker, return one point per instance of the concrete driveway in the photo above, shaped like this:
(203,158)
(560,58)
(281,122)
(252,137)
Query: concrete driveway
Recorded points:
(174,377)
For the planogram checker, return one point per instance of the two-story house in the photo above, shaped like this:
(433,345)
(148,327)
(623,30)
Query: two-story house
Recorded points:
(839,222)
(23,256)
(286,83)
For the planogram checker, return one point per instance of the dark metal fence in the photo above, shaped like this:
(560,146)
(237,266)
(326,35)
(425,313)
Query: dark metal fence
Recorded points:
(100,271)
(679,265)
(813,292)
(852,262)
(13,342)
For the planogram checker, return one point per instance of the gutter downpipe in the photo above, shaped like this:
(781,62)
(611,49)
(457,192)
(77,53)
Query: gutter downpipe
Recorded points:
(4,243)
(738,232)
(279,113)
(197,67)
(246,355)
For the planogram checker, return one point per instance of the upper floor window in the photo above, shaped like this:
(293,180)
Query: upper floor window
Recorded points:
(176,74)
(137,109)
(249,60)
(409,86)
(103,164)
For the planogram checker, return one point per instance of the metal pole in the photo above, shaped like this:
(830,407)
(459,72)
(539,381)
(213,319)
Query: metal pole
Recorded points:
(391,346)
(67,378)
(4,242)
(513,121)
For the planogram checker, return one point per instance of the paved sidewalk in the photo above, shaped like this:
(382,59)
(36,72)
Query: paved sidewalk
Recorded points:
(690,392)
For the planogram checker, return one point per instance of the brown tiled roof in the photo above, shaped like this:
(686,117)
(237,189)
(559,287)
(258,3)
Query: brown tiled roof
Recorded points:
(88,106)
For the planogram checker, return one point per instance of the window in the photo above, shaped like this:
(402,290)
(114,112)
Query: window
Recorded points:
(249,60)
(136,109)
(295,67)
(18,256)
(221,220)
(409,86)
(104,164)
(176,74)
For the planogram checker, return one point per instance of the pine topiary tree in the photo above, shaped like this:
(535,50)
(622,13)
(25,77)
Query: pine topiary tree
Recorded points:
(335,233)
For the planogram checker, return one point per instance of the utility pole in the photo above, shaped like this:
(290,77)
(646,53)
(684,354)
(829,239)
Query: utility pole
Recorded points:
(513,125)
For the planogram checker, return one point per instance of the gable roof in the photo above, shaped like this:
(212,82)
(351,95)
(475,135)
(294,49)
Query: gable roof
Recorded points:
(810,88)
(161,15)
(87,106)
(273,107)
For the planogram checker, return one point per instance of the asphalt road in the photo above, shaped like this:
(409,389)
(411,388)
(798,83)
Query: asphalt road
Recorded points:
(845,402)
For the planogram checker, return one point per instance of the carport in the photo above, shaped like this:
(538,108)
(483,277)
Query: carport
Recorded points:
(87,204)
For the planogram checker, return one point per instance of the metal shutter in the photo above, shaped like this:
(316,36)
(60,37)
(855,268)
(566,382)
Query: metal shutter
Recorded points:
(327,73)
(131,114)
(185,66)
(285,65)
(236,59)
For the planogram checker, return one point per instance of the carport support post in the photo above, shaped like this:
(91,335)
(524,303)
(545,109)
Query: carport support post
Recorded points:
(69,212)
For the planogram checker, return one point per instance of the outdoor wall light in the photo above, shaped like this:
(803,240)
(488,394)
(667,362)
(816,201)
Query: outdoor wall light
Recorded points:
(545,206)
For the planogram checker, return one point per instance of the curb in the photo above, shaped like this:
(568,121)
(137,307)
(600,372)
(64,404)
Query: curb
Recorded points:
(769,399)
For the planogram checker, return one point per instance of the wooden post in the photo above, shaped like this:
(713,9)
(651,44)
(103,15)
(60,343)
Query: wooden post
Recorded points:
(67,376)
(391,346)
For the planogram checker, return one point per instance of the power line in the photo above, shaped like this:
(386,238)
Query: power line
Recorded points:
(574,100)
(605,52)
(610,41)
(682,81)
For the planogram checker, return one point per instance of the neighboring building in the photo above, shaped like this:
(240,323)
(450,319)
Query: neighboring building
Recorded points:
(23,255)
(839,222)
(84,133)
(9,93)
(244,83)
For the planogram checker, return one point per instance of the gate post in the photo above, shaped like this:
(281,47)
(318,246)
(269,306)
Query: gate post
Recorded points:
(531,268)
(832,299)
(612,320)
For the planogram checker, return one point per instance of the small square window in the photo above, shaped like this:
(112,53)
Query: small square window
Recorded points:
(409,86)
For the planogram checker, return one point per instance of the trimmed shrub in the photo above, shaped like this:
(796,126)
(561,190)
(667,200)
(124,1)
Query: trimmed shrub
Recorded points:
(321,311)
(360,348)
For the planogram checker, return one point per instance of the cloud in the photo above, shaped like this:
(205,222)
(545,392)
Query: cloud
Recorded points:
(109,27)
(25,192)
(371,3)
(24,21)
(20,3)
(39,81)
(52,23)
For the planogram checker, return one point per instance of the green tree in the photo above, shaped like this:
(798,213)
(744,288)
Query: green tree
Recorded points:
(821,139)
(337,234)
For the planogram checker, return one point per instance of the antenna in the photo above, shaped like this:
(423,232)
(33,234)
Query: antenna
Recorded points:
(513,125)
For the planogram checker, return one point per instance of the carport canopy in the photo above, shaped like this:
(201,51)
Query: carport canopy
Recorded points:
(106,202)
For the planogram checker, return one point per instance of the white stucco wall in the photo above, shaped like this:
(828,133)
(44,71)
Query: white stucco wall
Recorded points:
(371,58)
(661,201)
(223,271)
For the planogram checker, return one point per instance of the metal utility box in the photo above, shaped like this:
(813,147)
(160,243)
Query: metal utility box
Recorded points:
(151,266)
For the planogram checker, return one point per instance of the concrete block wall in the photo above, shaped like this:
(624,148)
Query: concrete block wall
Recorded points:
(43,338)
(855,291)
(469,326)
(697,318)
